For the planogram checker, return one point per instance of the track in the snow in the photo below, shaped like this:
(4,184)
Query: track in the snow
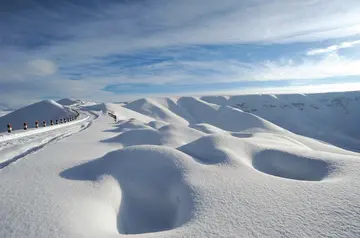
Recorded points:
(19,147)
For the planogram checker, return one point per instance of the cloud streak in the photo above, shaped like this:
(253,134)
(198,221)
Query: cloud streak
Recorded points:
(334,48)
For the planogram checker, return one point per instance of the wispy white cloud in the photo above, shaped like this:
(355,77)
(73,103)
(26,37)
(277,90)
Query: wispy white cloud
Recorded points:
(343,45)
(120,27)
(54,42)
(310,88)
(331,65)
(42,67)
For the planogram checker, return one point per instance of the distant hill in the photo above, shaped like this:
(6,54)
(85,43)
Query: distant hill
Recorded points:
(44,110)
(67,101)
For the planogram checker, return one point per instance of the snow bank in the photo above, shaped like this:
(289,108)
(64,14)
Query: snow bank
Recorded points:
(44,110)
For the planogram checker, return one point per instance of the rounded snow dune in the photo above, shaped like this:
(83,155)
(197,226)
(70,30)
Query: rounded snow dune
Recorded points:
(146,136)
(225,117)
(291,166)
(217,149)
(169,135)
(151,108)
(131,124)
(157,124)
(208,129)
(155,195)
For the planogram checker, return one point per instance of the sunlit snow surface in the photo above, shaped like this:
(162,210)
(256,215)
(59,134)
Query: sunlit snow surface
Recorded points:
(217,166)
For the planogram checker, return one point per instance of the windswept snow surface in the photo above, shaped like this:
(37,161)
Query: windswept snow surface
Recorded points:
(194,167)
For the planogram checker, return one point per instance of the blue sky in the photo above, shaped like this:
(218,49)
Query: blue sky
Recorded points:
(117,50)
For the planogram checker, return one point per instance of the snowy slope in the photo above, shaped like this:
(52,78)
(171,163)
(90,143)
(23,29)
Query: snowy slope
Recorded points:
(192,111)
(329,117)
(191,167)
(118,110)
(44,110)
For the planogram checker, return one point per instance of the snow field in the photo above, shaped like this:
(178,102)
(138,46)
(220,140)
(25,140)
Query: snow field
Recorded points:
(188,167)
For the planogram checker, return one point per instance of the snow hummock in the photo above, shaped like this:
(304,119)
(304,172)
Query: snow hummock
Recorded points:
(44,110)
(194,167)
(154,198)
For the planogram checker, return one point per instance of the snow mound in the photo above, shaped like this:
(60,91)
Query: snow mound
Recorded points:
(169,135)
(44,110)
(219,100)
(155,110)
(223,149)
(67,102)
(263,154)
(157,124)
(286,165)
(131,124)
(191,111)
(224,117)
(208,129)
(121,112)
(155,195)
(146,136)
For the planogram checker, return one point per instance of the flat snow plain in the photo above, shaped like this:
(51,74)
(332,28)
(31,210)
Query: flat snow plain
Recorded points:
(217,166)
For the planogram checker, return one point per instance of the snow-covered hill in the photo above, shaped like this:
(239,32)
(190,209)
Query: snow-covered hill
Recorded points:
(69,102)
(218,166)
(44,110)
(330,117)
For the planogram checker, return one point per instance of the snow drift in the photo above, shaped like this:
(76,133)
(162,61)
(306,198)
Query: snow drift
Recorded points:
(154,197)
